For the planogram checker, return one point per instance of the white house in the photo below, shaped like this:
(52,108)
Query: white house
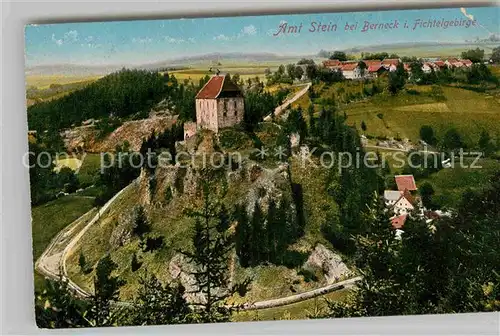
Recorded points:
(351,70)
(403,206)
(391,197)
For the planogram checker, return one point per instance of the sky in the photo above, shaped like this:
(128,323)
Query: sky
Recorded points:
(147,41)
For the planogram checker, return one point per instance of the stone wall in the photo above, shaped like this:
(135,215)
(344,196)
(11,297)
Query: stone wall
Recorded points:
(206,114)
(230,111)
(214,114)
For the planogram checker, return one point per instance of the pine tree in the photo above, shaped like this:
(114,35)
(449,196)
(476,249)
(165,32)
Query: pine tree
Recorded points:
(211,256)
(243,241)
(57,307)
(312,121)
(135,264)
(141,225)
(160,304)
(106,291)
(257,234)
(82,263)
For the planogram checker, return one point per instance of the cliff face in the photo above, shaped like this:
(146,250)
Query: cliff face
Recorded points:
(86,137)
(247,184)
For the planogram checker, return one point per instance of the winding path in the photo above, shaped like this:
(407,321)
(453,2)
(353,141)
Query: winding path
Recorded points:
(52,263)
(288,102)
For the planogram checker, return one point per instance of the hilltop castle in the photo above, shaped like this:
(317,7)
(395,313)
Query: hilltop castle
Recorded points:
(219,104)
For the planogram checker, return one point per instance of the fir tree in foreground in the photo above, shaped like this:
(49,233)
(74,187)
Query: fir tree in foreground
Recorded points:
(106,292)
(157,303)
(211,249)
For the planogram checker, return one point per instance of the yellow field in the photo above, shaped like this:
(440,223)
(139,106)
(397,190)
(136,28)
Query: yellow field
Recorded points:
(44,81)
(72,163)
(195,76)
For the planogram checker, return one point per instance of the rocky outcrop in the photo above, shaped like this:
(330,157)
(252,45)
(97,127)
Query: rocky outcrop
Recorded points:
(182,270)
(122,233)
(329,262)
(134,131)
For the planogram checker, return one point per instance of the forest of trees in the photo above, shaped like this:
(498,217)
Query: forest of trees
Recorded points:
(452,267)
(123,94)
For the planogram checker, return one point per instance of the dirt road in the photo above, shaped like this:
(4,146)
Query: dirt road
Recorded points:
(288,102)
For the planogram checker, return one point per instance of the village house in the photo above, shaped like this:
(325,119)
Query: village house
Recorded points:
(219,104)
(405,182)
(374,68)
(401,201)
(390,64)
(333,64)
(352,70)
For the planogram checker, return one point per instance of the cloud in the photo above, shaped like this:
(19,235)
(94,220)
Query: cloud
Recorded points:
(91,45)
(464,12)
(89,38)
(57,41)
(142,40)
(170,39)
(68,37)
(249,30)
(192,39)
(72,35)
(221,37)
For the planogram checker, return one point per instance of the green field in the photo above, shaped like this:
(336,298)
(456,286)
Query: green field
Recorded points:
(90,169)
(451,183)
(50,218)
(403,115)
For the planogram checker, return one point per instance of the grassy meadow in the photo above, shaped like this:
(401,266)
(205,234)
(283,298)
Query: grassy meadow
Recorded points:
(450,183)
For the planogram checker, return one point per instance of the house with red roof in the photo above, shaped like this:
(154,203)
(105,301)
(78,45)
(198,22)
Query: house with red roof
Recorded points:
(219,104)
(466,62)
(374,68)
(390,63)
(405,182)
(352,70)
(398,222)
(333,64)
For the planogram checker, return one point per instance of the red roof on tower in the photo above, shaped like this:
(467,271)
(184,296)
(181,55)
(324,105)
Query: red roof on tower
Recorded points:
(216,85)
(405,182)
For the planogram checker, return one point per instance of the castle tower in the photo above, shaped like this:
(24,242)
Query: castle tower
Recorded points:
(219,104)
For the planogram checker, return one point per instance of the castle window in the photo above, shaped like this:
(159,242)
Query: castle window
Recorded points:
(234,107)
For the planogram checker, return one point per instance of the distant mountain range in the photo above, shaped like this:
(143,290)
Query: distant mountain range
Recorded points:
(419,48)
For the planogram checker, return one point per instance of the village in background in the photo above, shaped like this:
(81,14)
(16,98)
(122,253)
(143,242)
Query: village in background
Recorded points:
(118,242)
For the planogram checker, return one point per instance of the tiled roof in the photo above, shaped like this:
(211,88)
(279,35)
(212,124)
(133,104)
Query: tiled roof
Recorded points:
(331,63)
(392,195)
(374,67)
(349,66)
(372,62)
(212,88)
(398,221)
(405,182)
(215,86)
(390,61)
